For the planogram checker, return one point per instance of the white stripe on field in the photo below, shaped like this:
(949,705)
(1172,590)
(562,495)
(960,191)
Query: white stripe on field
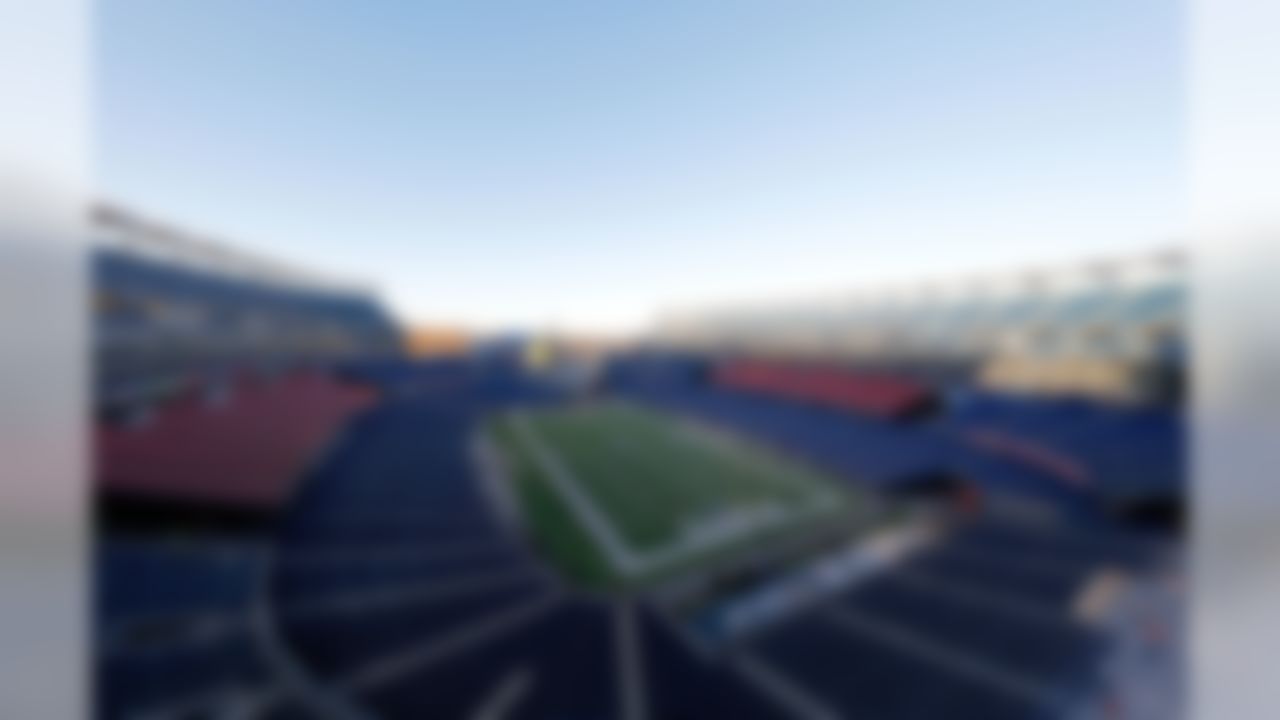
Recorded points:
(622,557)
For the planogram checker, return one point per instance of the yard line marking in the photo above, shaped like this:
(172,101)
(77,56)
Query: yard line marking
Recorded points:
(593,519)
(394,667)
(630,663)
(504,698)
(797,701)
(958,662)
(494,480)
(624,559)
(364,599)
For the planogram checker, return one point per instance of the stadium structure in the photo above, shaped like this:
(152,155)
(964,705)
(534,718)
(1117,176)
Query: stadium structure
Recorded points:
(962,502)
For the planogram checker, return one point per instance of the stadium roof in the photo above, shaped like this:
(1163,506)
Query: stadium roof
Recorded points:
(1128,292)
(125,231)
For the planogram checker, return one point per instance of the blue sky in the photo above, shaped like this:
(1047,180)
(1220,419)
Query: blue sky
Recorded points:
(585,164)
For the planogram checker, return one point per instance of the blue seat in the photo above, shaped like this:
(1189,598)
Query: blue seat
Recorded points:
(862,678)
(568,654)
(684,686)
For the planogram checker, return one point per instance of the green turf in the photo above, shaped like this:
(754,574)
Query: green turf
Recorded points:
(653,475)
(555,530)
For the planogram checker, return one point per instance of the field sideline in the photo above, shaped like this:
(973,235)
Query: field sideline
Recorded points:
(616,492)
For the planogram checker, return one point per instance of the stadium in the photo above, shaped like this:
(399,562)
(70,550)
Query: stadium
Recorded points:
(960,499)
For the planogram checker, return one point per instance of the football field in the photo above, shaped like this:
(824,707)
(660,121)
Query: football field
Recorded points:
(612,490)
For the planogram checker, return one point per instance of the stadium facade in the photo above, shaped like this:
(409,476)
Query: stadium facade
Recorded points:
(1113,329)
(172,307)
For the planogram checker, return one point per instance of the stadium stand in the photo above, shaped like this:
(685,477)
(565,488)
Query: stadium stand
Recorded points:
(175,311)
(1082,456)
(392,580)
(1111,329)
(987,620)
(173,632)
(878,395)
(383,580)
(685,683)
(217,387)
(398,523)
(192,452)
(858,677)
(864,449)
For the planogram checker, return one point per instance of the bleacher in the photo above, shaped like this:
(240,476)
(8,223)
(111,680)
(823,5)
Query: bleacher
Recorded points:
(392,550)
(391,518)
(858,677)
(384,576)
(985,620)
(686,683)
(173,311)
(878,395)
(172,578)
(213,453)
(1123,452)
(1054,588)
(860,448)
(173,625)
(1076,455)
(1111,329)
(1050,652)
(392,584)
(567,649)
(211,675)
(214,391)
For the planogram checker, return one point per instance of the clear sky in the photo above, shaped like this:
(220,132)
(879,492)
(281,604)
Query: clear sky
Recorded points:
(585,163)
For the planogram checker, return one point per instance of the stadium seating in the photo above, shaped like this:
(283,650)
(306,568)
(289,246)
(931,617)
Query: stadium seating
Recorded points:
(389,552)
(1107,329)
(857,677)
(1052,652)
(983,619)
(160,327)
(1076,456)
(244,451)
(382,574)
(859,448)
(568,651)
(863,450)
(1062,546)
(172,625)
(876,394)
(684,685)
(183,679)
(138,578)
(1122,451)
(397,521)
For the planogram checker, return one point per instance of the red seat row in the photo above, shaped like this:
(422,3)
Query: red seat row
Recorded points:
(876,394)
(245,451)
